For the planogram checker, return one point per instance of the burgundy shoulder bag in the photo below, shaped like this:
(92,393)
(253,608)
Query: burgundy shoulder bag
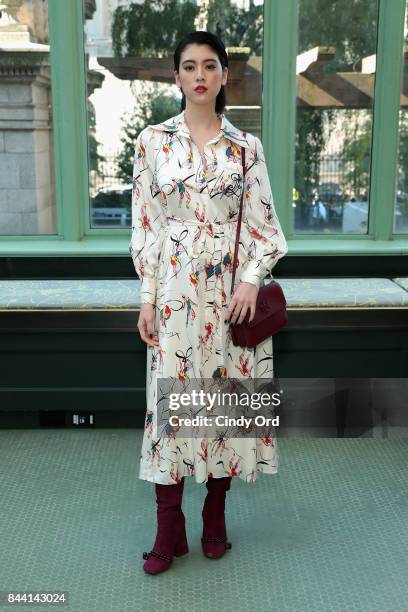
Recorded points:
(270,310)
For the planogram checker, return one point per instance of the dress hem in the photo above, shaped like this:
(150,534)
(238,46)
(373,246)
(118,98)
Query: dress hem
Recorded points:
(270,471)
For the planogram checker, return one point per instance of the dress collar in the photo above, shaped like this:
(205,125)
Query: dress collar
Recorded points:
(178,124)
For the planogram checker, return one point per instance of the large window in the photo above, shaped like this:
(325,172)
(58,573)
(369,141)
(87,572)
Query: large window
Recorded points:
(27,184)
(320,82)
(336,66)
(130,83)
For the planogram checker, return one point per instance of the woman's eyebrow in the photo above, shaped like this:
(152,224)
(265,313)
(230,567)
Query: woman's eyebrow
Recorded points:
(209,59)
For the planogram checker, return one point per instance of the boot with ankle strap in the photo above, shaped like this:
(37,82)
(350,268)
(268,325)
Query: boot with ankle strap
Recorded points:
(214,539)
(171,537)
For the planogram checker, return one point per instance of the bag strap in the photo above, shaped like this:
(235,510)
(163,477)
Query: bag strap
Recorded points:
(234,265)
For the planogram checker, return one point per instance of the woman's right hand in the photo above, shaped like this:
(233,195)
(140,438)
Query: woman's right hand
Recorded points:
(145,325)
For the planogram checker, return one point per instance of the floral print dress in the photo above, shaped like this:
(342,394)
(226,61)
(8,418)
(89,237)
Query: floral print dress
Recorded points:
(184,220)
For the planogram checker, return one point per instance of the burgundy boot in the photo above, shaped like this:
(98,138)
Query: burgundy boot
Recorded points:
(181,546)
(214,540)
(171,536)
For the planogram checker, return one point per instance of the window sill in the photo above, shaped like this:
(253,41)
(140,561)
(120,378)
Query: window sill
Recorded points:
(348,246)
(103,246)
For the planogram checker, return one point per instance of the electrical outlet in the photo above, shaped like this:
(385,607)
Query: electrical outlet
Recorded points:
(83,420)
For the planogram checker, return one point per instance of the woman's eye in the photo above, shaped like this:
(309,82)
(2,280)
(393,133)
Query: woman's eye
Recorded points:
(191,67)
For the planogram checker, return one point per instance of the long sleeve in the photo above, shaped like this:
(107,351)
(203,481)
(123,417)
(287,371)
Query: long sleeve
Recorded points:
(267,244)
(148,218)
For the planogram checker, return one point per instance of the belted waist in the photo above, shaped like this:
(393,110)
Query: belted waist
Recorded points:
(196,222)
(204,239)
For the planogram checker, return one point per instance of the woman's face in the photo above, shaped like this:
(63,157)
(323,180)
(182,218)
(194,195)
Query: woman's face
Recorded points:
(200,66)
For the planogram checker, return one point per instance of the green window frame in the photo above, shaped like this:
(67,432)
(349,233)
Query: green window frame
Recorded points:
(278,132)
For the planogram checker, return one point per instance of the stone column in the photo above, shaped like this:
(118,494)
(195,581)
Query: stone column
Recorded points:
(27,190)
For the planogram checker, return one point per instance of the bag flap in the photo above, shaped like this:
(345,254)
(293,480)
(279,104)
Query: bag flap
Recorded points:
(270,300)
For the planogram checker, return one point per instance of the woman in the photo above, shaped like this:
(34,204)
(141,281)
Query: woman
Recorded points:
(187,184)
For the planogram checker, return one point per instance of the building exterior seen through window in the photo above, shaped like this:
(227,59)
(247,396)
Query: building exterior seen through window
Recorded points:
(335,77)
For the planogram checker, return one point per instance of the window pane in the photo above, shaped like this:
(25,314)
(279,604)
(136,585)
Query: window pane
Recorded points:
(27,184)
(130,83)
(335,89)
(401,199)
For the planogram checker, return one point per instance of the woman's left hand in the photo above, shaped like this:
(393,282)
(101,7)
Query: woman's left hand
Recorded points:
(244,298)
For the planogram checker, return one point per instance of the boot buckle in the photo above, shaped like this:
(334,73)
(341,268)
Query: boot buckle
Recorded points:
(153,553)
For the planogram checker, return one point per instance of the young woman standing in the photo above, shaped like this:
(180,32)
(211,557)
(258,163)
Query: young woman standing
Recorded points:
(187,184)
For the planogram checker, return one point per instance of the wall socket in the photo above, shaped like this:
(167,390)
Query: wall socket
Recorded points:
(83,420)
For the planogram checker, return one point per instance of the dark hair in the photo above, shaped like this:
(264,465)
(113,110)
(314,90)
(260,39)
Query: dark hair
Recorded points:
(201,37)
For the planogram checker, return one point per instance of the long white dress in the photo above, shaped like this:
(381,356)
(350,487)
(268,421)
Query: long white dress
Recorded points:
(184,220)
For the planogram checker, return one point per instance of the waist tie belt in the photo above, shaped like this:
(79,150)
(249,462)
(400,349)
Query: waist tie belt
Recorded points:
(206,229)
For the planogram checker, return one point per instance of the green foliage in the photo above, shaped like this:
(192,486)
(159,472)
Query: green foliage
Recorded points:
(95,158)
(355,162)
(309,142)
(152,28)
(153,107)
(237,27)
(348,25)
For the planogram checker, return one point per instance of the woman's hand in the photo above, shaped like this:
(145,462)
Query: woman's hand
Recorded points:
(145,325)
(244,298)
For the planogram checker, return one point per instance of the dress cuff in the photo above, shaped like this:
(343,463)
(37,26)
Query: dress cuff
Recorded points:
(148,290)
(254,273)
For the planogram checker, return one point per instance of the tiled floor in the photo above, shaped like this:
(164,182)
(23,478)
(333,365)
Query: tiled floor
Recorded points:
(328,532)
